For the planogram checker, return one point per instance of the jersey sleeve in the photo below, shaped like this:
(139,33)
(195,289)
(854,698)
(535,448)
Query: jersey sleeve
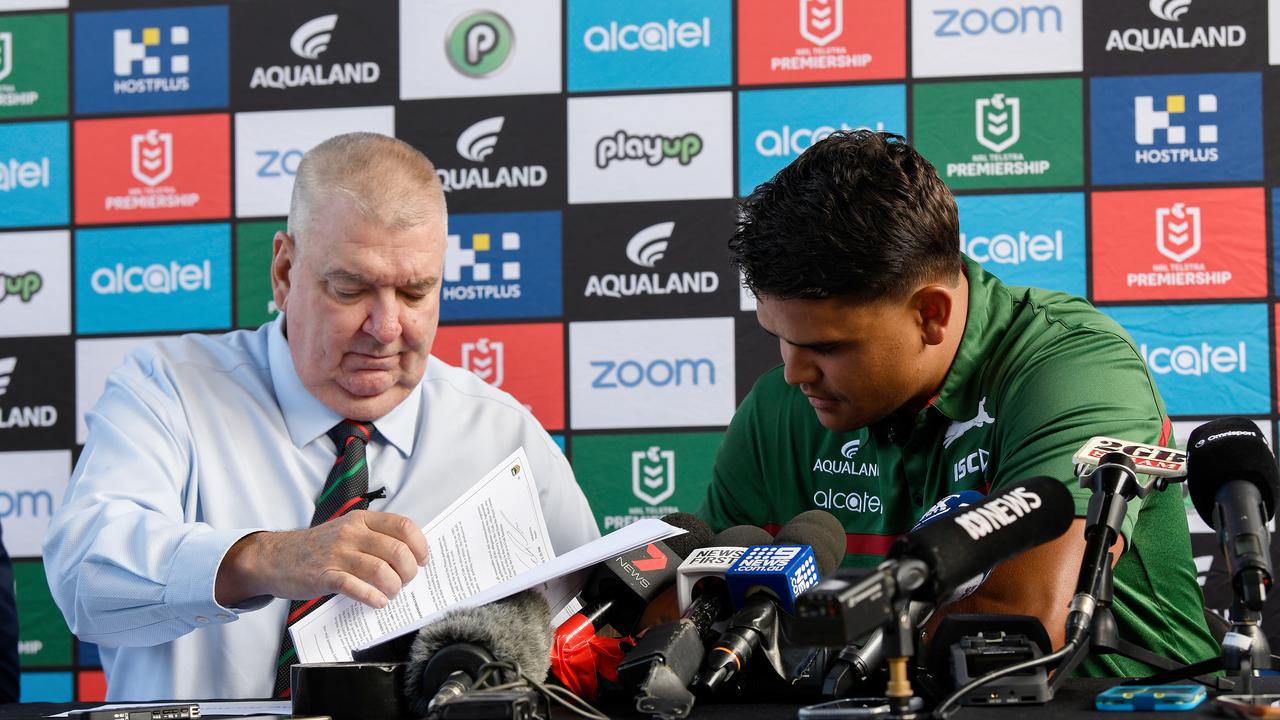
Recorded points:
(737,494)
(1089,383)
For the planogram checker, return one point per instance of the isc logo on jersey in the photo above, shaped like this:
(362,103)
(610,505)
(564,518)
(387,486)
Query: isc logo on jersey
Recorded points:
(1035,240)
(656,44)
(791,41)
(1177,128)
(34,181)
(775,126)
(526,360)
(151,59)
(1206,359)
(152,168)
(968,37)
(159,277)
(1179,244)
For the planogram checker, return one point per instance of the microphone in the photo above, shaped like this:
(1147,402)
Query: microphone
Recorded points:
(930,563)
(1233,482)
(445,658)
(768,578)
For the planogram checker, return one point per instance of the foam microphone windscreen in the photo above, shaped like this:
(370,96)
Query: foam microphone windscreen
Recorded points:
(959,546)
(743,536)
(821,531)
(697,533)
(516,628)
(1227,449)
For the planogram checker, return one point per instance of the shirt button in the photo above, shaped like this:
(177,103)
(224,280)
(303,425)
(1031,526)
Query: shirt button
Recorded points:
(202,620)
(223,616)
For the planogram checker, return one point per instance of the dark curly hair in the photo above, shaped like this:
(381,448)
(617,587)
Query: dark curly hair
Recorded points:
(860,215)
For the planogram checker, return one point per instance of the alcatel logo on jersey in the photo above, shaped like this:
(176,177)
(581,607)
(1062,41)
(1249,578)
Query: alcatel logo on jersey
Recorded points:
(476,144)
(852,501)
(309,42)
(1196,361)
(651,36)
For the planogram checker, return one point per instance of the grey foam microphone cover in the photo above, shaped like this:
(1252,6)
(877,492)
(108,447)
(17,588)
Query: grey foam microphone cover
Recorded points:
(743,536)
(514,629)
(821,531)
(697,533)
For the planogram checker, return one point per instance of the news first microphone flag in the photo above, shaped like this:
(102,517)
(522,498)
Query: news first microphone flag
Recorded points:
(589,280)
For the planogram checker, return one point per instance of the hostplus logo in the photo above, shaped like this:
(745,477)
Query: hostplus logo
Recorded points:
(1174,37)
(153,60)
(18,416)
(23,287)
(652,149)
(646,249)
(485,359)
(648,37)
(653,474)
(310,41)
(478,271)
(9,94)
(998,127)
(479,44)
(1168,128)
(151,162)
(1193,360)
(1006,20)
(476,144)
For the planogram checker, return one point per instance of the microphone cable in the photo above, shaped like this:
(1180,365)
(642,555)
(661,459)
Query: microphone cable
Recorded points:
(945,710)
(494,671)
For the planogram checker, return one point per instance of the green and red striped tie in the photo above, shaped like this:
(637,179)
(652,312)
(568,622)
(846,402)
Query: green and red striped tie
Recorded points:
(346,489)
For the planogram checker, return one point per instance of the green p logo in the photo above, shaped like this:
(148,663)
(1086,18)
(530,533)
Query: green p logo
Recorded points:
(480,43)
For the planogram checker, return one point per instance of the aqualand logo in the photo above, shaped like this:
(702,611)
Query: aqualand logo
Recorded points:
(309,41)
(475,144)
(1146,39)
(22,416)
(645,249)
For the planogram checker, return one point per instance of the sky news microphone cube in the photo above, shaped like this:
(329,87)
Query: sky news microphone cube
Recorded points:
(784,570)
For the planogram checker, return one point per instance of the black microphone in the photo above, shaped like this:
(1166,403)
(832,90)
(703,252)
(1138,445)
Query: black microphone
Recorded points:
(930,563)
(755,624)
(446,656)
(1233,481)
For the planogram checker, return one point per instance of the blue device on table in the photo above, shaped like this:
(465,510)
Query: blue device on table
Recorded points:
(1150,697)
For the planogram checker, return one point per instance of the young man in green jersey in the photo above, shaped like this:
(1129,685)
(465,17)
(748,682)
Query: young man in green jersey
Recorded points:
(909,373)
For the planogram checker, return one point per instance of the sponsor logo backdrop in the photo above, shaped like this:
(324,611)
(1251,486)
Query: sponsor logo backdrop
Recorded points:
(592,153)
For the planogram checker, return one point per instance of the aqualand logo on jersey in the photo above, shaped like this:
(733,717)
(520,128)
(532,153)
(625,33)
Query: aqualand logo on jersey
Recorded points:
(775,126)
(656,44)
(1002,134)
(791,41)
(526,360)
(1179,244)
(502,265)
(34,181)
(153,168)
(151,59)
(1177,128)
(153,278)
(847,463)
(1206,359)
(1035,240)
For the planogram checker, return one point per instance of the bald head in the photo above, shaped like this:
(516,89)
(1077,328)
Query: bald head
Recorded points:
(388,181)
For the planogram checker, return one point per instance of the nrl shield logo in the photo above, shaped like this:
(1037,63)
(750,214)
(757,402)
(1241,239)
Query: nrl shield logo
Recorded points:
(998,124)
(6,54)
(152,157)
(653,474)
(1178,231)
(484,358)
(821,21)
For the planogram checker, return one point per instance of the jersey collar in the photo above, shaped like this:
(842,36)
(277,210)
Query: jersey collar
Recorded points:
(961,387)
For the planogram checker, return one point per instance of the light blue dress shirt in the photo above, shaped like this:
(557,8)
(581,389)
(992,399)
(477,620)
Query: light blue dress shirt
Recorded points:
(200,440)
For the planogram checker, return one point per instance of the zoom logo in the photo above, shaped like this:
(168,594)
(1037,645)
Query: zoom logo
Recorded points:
(652,149)
(1038,19)
(651,373)
(278,163)
(480,44)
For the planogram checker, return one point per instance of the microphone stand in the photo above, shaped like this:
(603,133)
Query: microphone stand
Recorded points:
(1090,620)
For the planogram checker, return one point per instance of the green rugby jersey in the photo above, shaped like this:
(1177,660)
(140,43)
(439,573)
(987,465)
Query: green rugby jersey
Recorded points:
(1037,374)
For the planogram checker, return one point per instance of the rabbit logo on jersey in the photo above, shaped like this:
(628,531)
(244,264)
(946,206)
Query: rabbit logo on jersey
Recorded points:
(1206,359)
(1177,128)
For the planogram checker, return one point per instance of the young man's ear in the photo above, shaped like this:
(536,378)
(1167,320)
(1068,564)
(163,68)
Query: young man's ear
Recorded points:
(934,306)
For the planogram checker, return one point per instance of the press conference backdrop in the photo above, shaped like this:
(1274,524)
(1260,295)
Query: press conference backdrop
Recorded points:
(592,151)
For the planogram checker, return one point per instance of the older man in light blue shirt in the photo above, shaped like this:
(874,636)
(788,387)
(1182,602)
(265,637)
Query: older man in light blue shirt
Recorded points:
(178,544)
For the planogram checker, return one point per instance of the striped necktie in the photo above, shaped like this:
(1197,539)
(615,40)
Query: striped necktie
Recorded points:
(346,489)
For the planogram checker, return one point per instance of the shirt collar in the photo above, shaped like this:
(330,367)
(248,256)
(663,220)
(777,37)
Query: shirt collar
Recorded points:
(307,418)
(960,388)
